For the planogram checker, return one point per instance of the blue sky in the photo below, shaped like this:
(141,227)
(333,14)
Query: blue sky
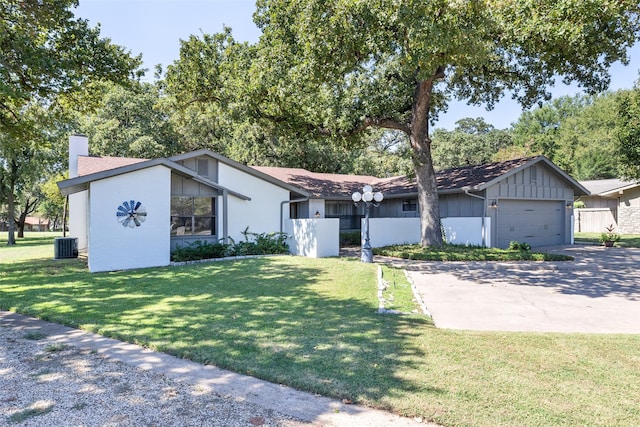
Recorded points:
(155,27)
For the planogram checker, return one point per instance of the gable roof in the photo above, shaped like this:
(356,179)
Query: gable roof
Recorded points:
(608,187)
(254,171)
(494,172)
(92,168)
(92,164)
(454,180)
(81,183)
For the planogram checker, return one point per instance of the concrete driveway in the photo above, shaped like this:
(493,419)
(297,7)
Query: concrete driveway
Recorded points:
(599,292)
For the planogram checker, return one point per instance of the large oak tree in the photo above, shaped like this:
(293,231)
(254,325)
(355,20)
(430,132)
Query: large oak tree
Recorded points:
(46,54)
(336,68)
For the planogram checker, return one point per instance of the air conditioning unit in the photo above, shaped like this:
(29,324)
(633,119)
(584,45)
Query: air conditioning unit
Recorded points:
(65,247)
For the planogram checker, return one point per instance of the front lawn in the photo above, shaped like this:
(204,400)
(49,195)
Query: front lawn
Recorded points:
(465,253)
(626,240)
(312,324)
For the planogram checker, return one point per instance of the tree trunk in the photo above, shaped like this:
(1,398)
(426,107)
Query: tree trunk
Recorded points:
(428,203)
(11,221)
(29,208)
(430,231)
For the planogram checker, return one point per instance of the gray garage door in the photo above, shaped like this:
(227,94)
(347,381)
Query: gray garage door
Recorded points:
(538,223)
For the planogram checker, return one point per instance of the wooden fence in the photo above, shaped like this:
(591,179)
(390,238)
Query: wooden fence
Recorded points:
(594,220)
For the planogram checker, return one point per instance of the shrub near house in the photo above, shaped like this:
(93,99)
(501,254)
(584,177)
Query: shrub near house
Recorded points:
(254,244)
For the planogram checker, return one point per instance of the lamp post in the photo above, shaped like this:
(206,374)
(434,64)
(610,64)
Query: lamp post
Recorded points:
(369,198)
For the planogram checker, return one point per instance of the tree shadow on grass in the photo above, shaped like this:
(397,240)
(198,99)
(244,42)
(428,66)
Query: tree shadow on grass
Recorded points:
(274,319)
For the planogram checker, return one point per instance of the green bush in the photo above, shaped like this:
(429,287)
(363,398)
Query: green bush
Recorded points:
(267,243)
(517,246)
(253,244)
(199,250)
(350,238)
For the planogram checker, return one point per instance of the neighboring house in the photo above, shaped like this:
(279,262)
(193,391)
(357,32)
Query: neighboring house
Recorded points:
(31,223)
(34,223)
(612,201)
(130,213)
(526,200)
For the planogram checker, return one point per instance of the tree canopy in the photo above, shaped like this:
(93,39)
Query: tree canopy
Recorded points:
(45,51)
(46,55)
(628,132)
(335,68)
(472,142)
(577,133)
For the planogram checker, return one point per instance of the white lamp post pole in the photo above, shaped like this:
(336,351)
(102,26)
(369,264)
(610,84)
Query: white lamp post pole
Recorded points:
(369,198)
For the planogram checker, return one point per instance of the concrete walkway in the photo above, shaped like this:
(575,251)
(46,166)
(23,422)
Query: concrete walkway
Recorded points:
(599,292)
(314,409)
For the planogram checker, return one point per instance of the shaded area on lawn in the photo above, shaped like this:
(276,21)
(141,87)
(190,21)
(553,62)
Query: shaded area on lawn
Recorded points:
(262,317)
(312,324)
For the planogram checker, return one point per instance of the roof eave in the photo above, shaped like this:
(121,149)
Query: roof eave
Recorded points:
(81,183)
(242,167)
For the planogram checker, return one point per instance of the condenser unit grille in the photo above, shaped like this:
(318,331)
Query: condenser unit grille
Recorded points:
(65,247)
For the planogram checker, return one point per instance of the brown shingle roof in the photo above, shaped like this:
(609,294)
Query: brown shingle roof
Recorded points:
(341,186)
(92,164)
(336,186)
(319,185)
(476,175)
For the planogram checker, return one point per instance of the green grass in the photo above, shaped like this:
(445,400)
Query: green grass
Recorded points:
(34,245)
(34,410)
(626,240)
(312,324)
(465,253)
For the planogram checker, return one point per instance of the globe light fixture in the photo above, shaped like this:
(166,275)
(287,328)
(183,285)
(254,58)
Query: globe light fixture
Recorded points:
(369,199)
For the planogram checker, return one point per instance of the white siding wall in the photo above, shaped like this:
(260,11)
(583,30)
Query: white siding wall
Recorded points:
(114,247)
(314,238)
(78,206)
(262,212)
(392,231)
(316,205)
(468,231)
(459,231)
(78,146)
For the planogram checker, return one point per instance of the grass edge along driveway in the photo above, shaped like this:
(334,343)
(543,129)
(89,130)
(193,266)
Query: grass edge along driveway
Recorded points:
(312,324)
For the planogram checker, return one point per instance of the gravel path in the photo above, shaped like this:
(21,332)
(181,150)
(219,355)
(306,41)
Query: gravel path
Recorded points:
(52,375)
(45,383)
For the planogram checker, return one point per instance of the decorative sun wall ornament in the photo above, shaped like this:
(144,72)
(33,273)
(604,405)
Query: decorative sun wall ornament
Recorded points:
(131,214)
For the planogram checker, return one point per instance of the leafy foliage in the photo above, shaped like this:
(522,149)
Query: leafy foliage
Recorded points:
(628,132)
(47,58)
(517,246)
(350,238)
(129,122)
(254,244)
(47,52)
(577,133)
(472,142)
(465,253)
(610,235)
(335,69)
